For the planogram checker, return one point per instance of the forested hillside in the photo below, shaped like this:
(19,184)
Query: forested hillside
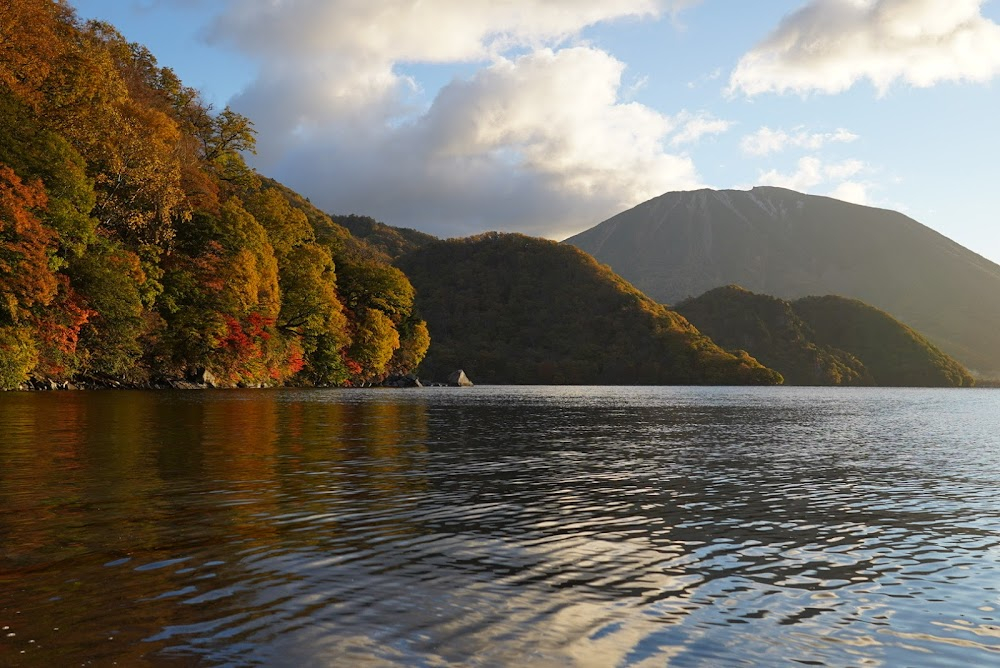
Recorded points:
(394,242)
(514,309)
(823,340)
(136,244)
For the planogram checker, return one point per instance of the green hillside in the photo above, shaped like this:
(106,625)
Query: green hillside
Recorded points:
(822,340)
(508,308)
(894,354)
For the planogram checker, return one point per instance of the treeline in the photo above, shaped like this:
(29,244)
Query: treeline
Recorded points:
(136,244)
(515,309)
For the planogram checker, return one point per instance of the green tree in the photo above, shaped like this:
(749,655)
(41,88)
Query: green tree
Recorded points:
(110,279)
(373,343)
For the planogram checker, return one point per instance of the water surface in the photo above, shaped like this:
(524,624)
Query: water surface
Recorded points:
(501,526)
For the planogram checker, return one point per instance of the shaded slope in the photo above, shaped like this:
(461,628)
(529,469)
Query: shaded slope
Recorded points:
(787,244)
(770,330)
(513,309)
(893,353)
(823,340)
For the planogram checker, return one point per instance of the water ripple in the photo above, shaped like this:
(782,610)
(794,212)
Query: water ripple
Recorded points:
(532,526)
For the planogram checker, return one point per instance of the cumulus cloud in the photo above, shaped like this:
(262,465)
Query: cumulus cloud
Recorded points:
(540,138)
(816,176)
(766,141)
(829,45)
(539,143)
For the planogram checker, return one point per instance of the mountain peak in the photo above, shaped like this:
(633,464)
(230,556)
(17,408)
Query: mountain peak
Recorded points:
(789,244)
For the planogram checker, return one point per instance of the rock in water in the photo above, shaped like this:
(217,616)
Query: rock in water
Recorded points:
(459,379)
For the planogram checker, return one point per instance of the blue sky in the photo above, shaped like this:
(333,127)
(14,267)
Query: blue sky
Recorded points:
(548,116)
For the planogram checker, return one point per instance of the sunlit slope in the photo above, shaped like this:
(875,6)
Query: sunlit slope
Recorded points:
(514,309)
(783,243)
(392,241)
(823,340)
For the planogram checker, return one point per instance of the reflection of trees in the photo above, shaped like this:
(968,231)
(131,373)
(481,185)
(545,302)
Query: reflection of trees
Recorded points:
(40,451)
(367,450)
(100,493)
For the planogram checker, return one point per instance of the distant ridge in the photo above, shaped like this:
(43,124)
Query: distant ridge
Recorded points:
(787,244)
(823,340)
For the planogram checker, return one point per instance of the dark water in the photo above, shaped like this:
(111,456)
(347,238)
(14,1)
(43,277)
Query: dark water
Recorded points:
(499,526)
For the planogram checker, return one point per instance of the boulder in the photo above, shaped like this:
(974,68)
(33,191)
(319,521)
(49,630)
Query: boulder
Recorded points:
(203,376)
(459,379)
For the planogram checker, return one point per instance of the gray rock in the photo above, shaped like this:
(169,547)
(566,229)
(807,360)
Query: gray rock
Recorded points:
(203,376)
(459,379)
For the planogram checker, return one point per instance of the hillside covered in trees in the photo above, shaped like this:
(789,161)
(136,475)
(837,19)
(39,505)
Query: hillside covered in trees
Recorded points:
(394,242)
(823,340)
(136,244)
(515,309)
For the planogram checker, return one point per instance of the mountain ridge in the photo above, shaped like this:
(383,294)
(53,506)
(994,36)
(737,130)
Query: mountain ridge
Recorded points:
(789,244)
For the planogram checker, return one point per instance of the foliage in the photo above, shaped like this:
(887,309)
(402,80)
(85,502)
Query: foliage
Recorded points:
(112,279)
(373,343)
(26,247)
(18,356)
(512,309)
(414,342)
(135,242)
(394,242)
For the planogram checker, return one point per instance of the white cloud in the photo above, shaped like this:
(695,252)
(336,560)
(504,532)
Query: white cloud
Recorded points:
(539,143)
(543,141)
(766,141)
(407,31)
(852,191)
(812,175)
(829,45)
(695,126)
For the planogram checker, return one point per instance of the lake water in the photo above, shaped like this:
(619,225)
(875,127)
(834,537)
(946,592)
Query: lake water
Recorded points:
(501,527)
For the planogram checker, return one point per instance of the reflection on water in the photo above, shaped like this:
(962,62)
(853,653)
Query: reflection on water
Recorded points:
(501,526)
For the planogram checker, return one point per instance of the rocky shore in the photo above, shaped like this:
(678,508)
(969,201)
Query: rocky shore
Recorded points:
(205,380)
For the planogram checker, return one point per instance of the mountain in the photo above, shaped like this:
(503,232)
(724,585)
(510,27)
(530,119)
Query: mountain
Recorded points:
(823,340)
(508,308)
(784,243)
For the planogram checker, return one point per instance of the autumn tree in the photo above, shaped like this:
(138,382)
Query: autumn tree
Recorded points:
(26,249)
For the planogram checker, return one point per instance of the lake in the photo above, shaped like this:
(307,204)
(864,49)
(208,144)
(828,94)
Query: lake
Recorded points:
(498,526)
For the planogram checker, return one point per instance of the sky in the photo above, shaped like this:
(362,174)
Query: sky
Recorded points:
(549,116)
